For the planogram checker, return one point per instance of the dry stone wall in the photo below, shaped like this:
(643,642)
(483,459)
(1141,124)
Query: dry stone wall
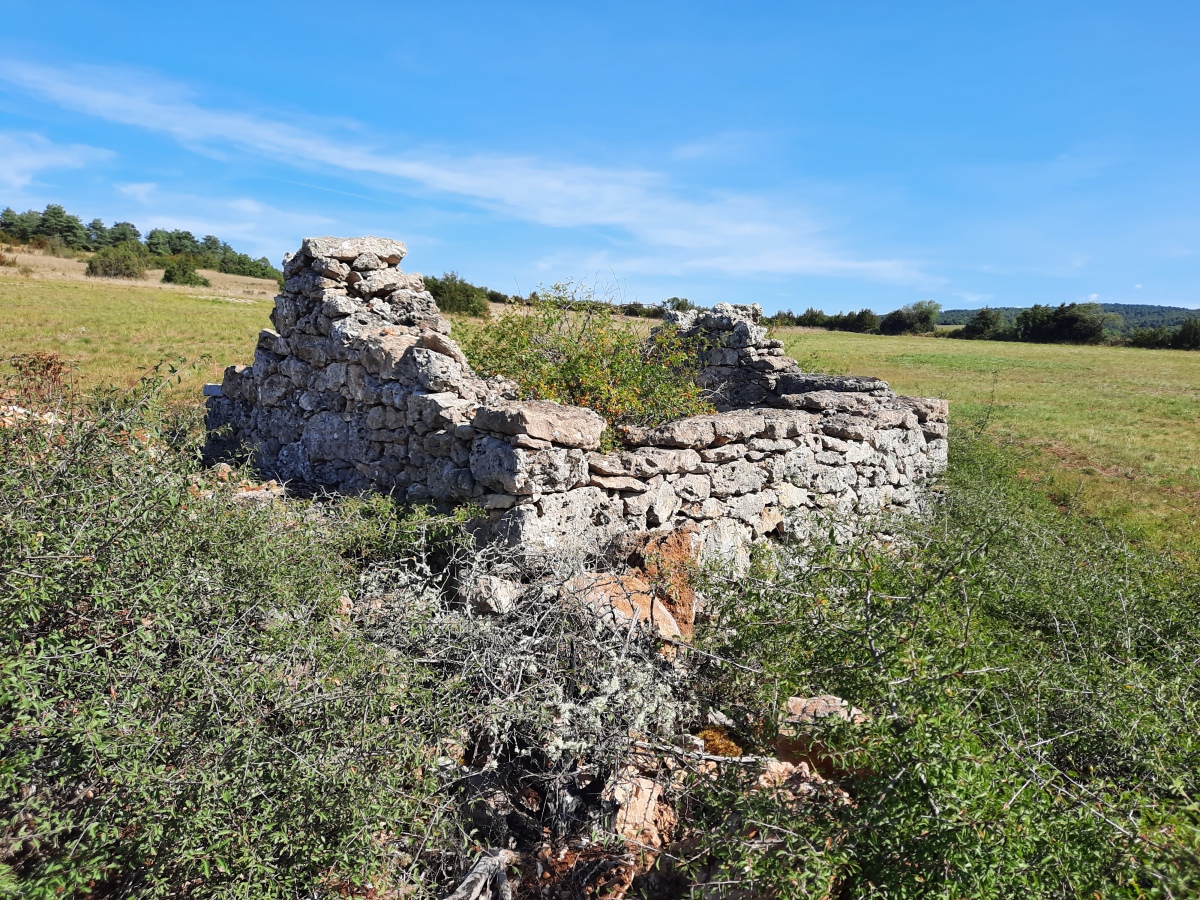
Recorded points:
(360,387)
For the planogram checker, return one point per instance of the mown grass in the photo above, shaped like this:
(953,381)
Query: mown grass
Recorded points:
(116,331)
(1112,430)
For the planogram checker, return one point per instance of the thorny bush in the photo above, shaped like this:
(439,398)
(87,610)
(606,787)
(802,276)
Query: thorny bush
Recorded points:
(589,358)
(204,697)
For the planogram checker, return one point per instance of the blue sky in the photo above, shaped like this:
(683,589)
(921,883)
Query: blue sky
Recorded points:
(835,155)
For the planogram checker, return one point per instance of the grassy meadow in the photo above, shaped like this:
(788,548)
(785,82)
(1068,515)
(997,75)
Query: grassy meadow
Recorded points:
(1114,431)
(113,331)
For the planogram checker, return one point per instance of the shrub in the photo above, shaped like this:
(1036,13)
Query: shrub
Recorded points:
(1033,699)
(185,708)
(454,295)
(1187,336)
(916,318)
(119,261)
(182,270)
(590,359)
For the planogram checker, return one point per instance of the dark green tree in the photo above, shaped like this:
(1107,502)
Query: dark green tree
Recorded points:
(455,295)
(123,232)
(986,325)
(158,242)
(98,234)
(1187,337)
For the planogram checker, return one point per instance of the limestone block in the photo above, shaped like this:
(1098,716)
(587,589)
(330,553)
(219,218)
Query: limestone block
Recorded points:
(349,249)
(934,430)
(834,479)
(569,426)
(790,496)
(768,445)
(440,343)
(725,542)
(439,443)
(711,508)
(737,426)
(498,465)
(646,462)
(723,454)
(337,306)
(693,488)
(491,595)
(663,505)
(383,350)
(446,481)
(927,409)
(695,432)
(274,390)
(383,281)
(618,483)
(441,409)
(330,268)
(367,262)
(606,464)
(578,523)
(325,437)
(429,370)
(309,283)
(737,477)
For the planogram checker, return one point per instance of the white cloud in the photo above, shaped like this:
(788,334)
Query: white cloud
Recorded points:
(731,233)
(23,155)
(139,191)
(1093,297)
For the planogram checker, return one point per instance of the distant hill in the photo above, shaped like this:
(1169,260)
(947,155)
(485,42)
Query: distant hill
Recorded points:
(1133,315)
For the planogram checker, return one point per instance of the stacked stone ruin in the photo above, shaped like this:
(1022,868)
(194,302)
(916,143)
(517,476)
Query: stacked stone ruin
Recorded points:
(359,387)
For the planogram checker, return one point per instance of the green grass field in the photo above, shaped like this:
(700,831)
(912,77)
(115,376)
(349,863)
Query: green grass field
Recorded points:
(1112,431)
(114,331)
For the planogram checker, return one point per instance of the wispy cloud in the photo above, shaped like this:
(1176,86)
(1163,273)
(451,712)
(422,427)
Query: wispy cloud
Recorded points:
(139,191)
(24,154)
(732,233)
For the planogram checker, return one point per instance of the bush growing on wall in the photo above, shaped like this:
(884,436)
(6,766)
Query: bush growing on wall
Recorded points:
(589,358)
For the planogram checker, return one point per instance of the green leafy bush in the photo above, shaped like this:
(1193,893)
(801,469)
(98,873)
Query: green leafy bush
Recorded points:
(182,270)
(127,260)
(1034,705)
(589,359)
(453,295)
(185,707)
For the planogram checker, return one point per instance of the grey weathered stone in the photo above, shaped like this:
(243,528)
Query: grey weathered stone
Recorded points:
(570,426)
(349,249)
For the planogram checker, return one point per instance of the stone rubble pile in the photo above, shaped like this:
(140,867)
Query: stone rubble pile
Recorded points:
(360,387)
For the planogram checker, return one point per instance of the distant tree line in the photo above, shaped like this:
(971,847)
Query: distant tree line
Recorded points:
(915,318)
(1132,316)
(1076,323)
(121,251)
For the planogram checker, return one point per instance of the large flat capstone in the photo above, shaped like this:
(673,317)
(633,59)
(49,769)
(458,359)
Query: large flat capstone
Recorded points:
(350,249)
(569,426)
